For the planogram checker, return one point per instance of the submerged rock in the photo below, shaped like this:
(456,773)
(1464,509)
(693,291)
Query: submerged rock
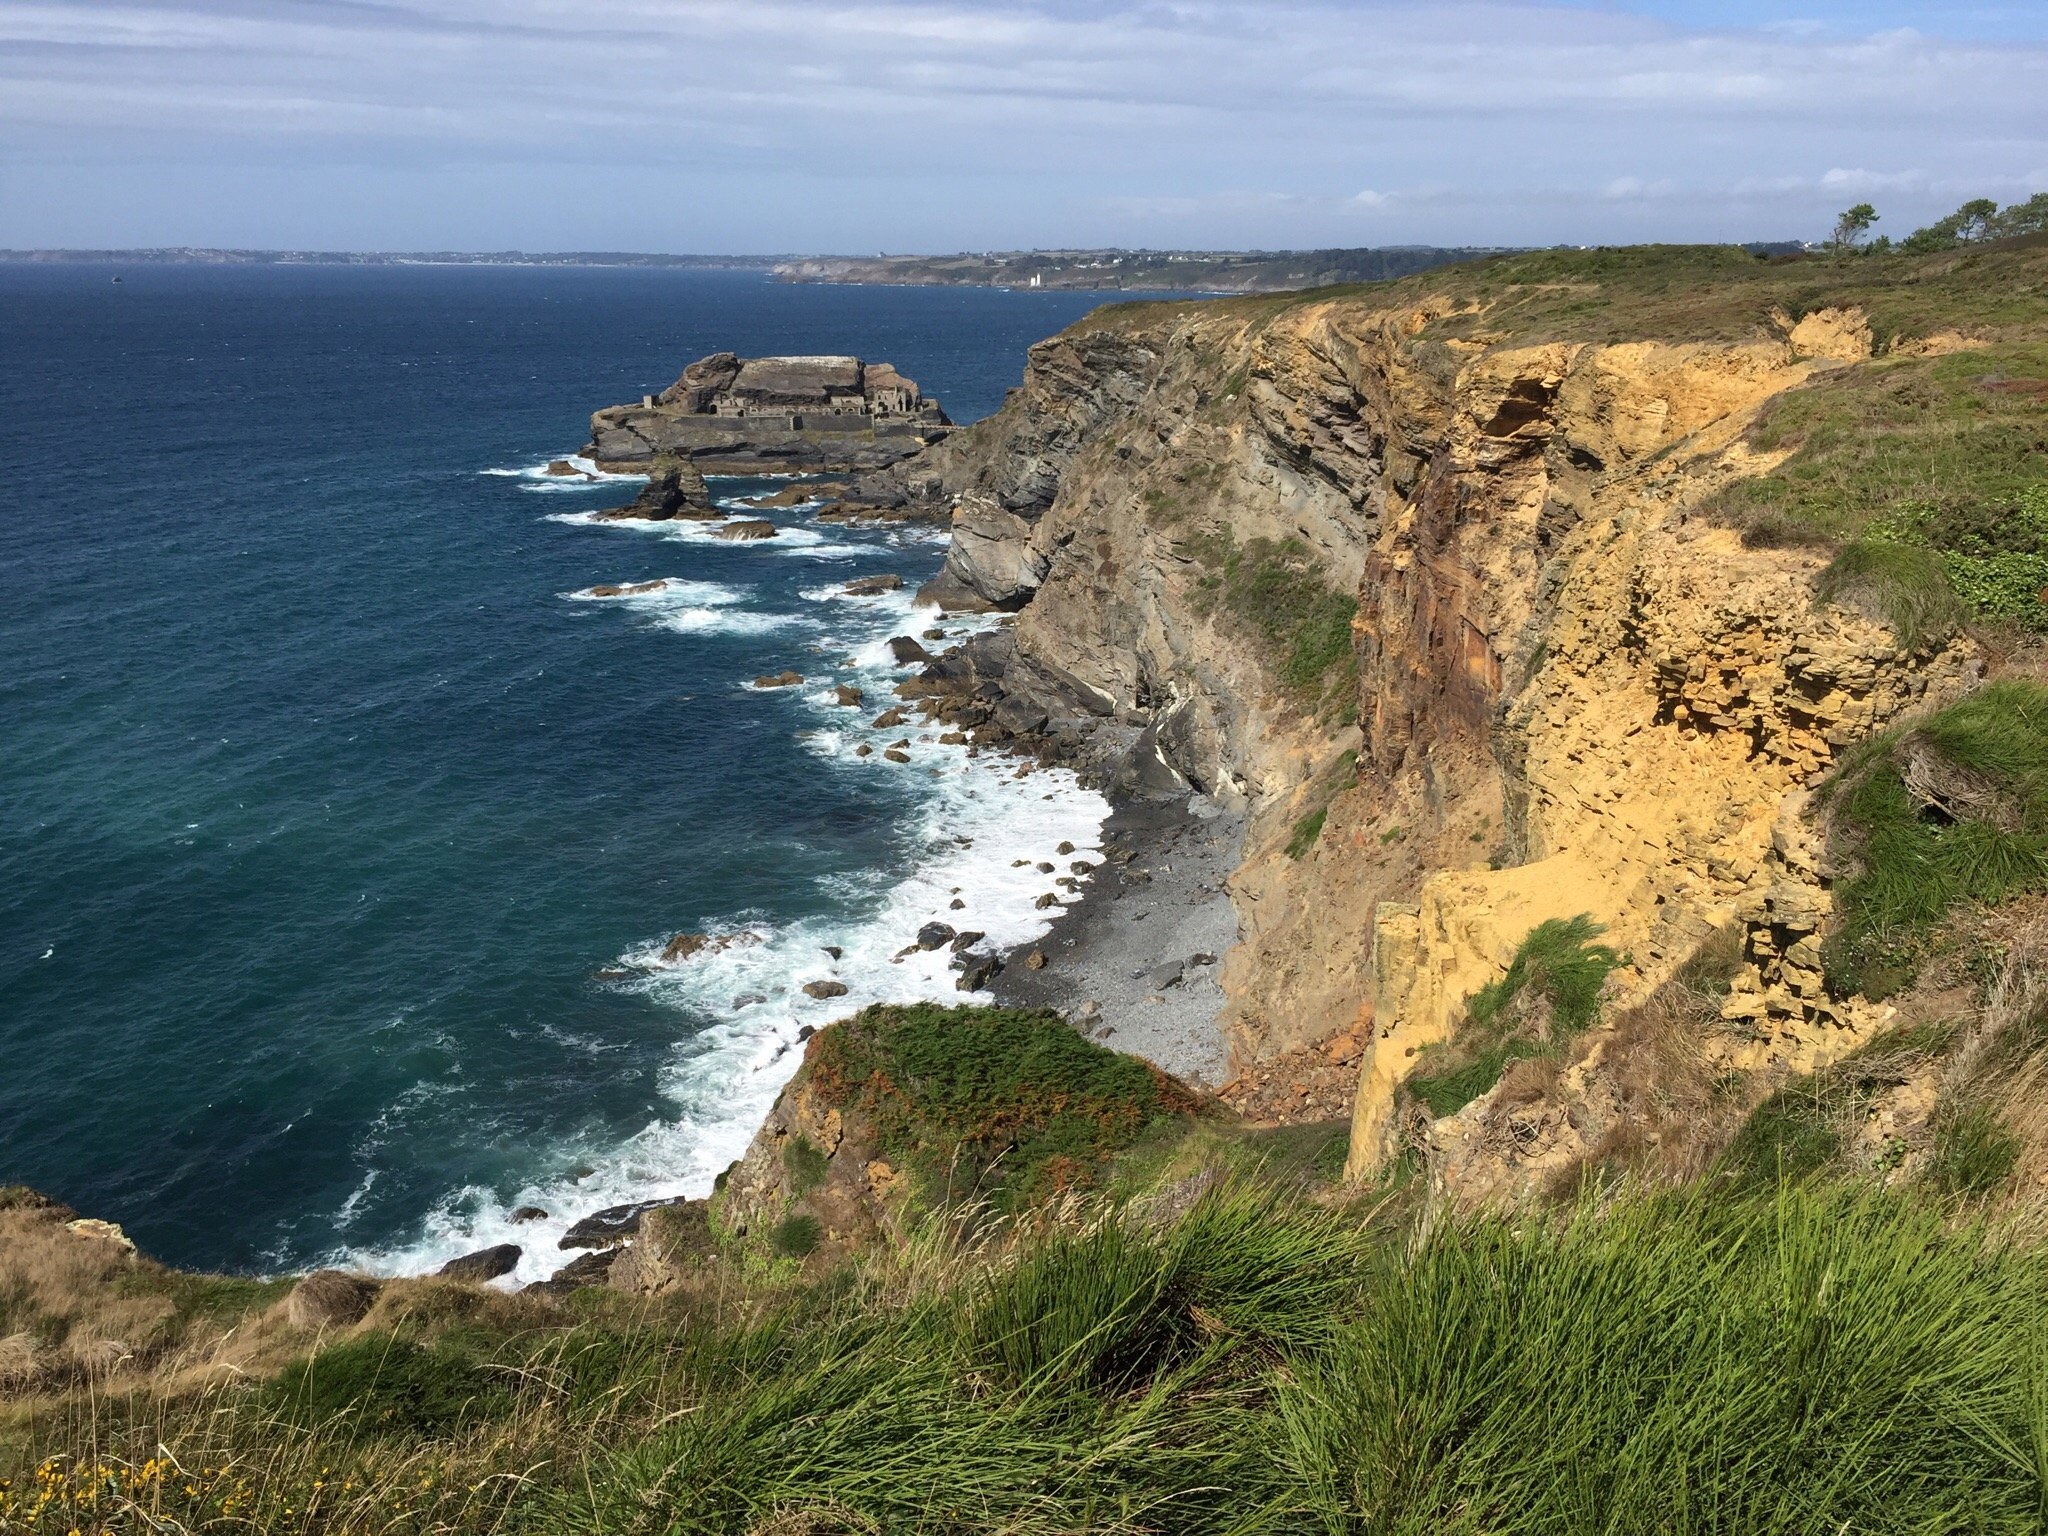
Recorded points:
(746,528)
(783,679)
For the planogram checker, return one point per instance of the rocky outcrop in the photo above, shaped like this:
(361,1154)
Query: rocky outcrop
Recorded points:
(675,489)
(772,415)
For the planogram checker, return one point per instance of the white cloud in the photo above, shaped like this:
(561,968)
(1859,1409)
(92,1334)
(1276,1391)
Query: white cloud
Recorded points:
(815,124)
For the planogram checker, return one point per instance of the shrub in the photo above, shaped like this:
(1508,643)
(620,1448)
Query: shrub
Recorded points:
(999,1104)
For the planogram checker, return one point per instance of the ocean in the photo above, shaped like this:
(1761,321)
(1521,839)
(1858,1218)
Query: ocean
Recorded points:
(340,836)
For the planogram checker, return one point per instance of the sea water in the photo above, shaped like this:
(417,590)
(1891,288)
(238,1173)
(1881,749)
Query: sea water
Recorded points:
(342,828)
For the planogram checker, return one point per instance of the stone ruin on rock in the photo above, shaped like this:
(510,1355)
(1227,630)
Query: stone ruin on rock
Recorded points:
(773,415)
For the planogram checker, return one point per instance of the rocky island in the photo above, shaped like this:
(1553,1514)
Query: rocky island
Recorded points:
(772,415)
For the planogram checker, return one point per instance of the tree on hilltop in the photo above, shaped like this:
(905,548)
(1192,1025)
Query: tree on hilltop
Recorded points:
(1980,219)
(1853,225)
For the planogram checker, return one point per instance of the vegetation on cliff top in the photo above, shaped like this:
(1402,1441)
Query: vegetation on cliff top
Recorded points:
(1825,1357)
(1682,293)
(1949,812)
(989,1104)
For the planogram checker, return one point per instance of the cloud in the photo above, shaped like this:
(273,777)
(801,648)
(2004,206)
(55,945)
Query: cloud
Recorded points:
(816,124)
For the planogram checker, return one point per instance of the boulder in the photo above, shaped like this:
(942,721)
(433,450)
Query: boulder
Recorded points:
(887,718)
(873,586)
(848,695)
(966,939)
(935,935)
(529,1213)
(609,1227)
(484,1264)
(1162,977)
(908,652)
(824,989)
(896,755)
(783,679)
(674,489)
(746,528)
(982,970)
(329,1298)
(990,563)
(1035,961)
(562,469)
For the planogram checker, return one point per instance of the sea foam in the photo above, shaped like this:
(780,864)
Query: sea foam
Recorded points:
(976,839)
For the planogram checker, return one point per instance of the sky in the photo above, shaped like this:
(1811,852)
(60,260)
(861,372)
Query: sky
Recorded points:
(765,126)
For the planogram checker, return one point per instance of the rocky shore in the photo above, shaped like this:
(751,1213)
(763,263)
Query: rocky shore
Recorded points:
(1135,961)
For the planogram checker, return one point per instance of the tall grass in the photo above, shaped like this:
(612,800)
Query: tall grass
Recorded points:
(1807,1361)
(1825,1358)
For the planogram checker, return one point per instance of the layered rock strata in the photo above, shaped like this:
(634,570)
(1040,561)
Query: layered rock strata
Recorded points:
(1573,693)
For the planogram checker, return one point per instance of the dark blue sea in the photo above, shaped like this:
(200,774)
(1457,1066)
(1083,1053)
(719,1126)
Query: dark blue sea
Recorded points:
(340,837)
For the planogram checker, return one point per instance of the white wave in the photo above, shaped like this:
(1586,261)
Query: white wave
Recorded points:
(587,474)
(665,592)
(695,607)
(976,839)
(728,621)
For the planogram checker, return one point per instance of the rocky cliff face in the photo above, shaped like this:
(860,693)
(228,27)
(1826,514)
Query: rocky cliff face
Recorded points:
(1565,691)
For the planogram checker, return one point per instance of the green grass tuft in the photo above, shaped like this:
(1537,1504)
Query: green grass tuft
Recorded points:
(386,1385)
(1306,831)
(1897,585)
(1557,963)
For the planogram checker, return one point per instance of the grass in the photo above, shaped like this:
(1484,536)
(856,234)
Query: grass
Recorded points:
(1961,434)
(1676,293)
(1794,1359)
(1306,831)
(998,1105)
(1278,591)
(1550,992)
(1950,813)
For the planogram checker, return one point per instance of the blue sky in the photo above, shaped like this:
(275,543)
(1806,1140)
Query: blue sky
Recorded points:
(803,125)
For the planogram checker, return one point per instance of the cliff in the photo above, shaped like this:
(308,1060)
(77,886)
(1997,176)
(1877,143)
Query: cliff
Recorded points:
(1460,587)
